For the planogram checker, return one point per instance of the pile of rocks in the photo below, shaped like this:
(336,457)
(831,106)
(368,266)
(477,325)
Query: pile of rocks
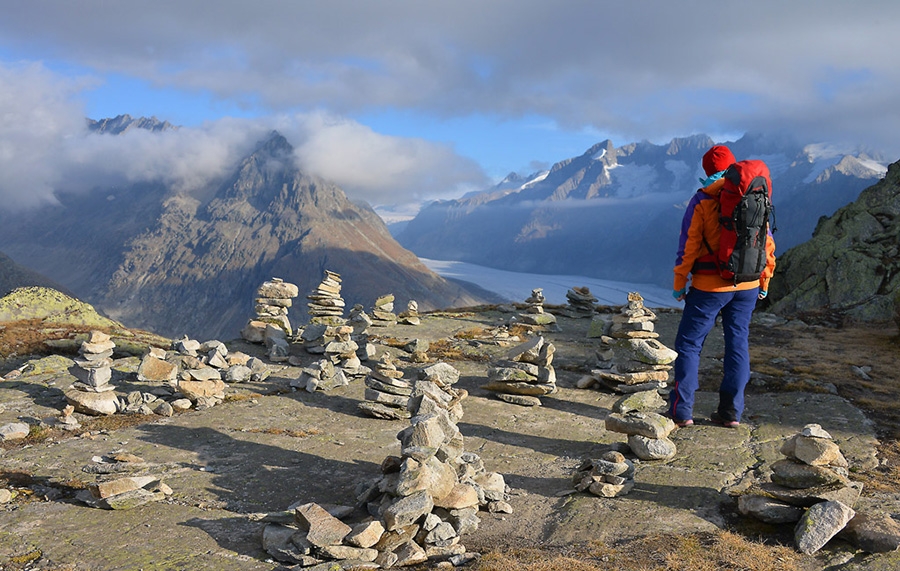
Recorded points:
(273,298)
(648,433)
(122,493)
(411,315)
(811,487)
(92,393)
(525,374)
(321,375)
(420,506)
(632,358)
(387,394)
(610,476)
(326,304)
(580,302)
(359,319)
(383,311)
(534,315)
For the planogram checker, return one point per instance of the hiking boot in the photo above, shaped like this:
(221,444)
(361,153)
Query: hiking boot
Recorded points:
(716,419)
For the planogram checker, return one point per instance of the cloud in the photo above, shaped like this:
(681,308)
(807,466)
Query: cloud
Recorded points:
(45,147)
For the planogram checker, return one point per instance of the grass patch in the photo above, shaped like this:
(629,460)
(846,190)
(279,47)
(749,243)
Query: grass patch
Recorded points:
(669,552)
(285,432)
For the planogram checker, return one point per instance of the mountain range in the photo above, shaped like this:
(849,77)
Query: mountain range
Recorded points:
(175,264)
(615,212)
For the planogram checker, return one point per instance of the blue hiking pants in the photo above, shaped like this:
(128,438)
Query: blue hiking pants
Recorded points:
(698,319)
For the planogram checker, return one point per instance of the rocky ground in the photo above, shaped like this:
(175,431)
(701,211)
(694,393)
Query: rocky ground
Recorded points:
(269,446)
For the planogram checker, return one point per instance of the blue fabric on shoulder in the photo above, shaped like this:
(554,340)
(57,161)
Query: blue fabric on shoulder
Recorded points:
(711,179)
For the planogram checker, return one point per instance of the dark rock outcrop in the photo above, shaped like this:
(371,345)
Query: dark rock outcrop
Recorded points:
(851,264)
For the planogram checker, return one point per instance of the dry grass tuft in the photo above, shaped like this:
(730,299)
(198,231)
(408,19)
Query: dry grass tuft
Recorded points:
(669,552)
(285,432)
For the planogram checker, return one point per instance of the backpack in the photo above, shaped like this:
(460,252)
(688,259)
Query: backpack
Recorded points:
(745,204)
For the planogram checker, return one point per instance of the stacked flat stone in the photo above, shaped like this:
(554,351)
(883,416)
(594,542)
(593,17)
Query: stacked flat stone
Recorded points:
(535,315)
(92,394)
(632,359)
(809,486)
(273,298)
(115,492)
(340,348)
(359,319)
(382,313)
(198,381)
(648,433)
(420,506)
(326,304)
(525,374)
(411,315)
(610,476)
(387,394)
(321,375)
(580,302)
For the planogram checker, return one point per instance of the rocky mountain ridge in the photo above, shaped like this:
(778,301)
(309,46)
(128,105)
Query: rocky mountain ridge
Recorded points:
(175,264)
(614,213)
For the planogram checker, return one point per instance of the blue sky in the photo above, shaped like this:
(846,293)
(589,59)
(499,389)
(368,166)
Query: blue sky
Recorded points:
(409,100)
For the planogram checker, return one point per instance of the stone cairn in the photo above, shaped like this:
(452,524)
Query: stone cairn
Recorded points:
(92,393)
(387,394)
(325,303)
(190,375)
(273,298)
(359,319)
(580,302)
(534,315)
(342,357)
(648,433)
(525,374)
(418,509)
(411,315)
(632,358)
(809,486)
(383,311)
(610,476)
(113,491)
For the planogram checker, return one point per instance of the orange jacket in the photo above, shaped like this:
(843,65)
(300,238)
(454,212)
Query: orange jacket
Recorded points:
(701,220)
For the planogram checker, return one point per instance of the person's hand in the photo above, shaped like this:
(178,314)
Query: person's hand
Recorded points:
(679,294)
(762,294)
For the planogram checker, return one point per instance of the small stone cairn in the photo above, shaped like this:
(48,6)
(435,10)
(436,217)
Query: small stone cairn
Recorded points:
(534,315)
(359,319)
(113,491)
(273,298)
(525,374)
(810,486)
(610,476)
(411,315)
(632,358)
(325,303)
(418,509)
(383,311)
(580,302)
(92,393)
(648,433)
(387,394)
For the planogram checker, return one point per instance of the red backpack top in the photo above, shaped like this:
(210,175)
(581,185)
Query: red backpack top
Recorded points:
(745,204)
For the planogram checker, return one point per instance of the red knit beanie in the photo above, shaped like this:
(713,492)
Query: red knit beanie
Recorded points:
(717,159)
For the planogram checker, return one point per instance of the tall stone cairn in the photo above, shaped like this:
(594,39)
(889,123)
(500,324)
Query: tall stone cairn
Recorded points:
(273,298)
(631,358)
(525,374)
(382,313)
(534,315)
(325,302)
(810,486)
(648,433)
(92,394)
(387,393)
(580,302)
(420,506)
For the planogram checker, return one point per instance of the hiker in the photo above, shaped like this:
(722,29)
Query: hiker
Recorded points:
(705,294)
